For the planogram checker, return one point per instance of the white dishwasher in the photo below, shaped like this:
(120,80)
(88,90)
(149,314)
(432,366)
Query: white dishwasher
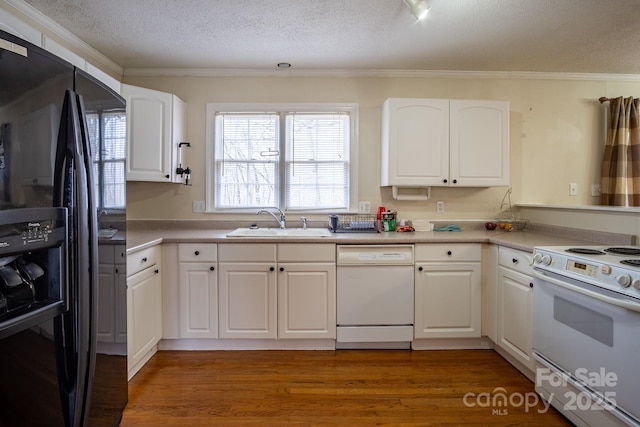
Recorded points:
(375,296)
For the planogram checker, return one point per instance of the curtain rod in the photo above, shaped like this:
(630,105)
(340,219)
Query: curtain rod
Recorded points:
(603,99)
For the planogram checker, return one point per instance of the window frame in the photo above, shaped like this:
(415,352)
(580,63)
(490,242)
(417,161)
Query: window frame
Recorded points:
(214,108)
(99,160)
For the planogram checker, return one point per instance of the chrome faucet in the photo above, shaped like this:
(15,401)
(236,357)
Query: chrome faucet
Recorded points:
(280,221)
(304,222)
(100,215)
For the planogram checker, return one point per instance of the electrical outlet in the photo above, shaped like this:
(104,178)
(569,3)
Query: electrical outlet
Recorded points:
(573,189)
(364,207)
(440,207)
(198,206)
(596,190)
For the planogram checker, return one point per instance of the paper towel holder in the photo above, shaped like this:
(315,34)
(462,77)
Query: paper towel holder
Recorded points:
(184,172)
(422,193)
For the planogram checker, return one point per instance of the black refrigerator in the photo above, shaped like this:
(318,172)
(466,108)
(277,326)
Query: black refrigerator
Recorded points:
(53,370)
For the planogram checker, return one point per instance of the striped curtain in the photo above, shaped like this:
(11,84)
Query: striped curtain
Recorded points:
(620,183)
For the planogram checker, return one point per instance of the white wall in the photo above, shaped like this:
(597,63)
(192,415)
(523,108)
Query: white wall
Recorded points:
(556,135)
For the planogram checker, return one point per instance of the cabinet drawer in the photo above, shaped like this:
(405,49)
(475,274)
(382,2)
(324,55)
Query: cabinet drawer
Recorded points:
(112,254)
(515,260)
(120,254)
(195,252)
(140,260)
(240,252)
(294,252)
(106,254)
(448,252)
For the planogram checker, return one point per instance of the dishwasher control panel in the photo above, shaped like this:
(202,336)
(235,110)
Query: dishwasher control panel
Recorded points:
(375,254)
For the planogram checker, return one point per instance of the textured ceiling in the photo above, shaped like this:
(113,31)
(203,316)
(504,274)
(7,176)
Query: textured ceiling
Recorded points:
(581,36)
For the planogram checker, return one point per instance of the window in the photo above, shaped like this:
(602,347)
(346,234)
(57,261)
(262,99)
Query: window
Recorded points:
(298,158)
(107,136)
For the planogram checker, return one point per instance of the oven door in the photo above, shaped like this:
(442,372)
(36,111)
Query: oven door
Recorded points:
(591,335)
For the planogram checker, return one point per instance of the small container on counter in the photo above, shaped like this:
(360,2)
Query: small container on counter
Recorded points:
(389,221)
(333,222)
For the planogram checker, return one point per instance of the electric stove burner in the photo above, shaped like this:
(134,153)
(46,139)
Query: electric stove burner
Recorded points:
(624,251)
(631,262)
(585,251)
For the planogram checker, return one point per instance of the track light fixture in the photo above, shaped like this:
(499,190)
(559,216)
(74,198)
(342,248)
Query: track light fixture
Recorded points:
(419,8)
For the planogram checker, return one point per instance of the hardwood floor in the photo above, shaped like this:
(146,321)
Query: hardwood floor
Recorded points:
(332,388)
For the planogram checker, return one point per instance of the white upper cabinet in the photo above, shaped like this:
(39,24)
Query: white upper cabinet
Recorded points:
(479,143)
(415,142)
(441,142)
(155,127)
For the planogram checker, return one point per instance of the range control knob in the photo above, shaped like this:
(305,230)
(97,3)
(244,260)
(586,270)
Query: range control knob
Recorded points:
(624,280)
(537,257)
(636,284)
(546,260)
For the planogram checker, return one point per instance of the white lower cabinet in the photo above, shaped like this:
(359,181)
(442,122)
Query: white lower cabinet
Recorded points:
(306,291)
(144,307)
(247,280)
(247,300)
(515,316)
(112,294)
(274,291)
(198,290)
(448,291)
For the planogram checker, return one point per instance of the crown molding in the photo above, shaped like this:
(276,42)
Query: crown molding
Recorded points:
(88,52)
(523,75)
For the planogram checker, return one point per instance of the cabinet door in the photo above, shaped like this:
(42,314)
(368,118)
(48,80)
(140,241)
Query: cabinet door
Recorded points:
(447,300)
(247,307)
(106,303)
(479,143)
(120,260)
(415,142)
(144,306)
(307,300)
(154,129)
(120,282)
(490,292)
(112,294)
(198,300)
(515,321)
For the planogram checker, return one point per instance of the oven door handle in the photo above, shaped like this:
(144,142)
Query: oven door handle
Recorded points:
(619,302)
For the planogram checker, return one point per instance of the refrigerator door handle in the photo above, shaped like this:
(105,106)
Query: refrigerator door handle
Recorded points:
(75,329)
(88,243)
(64,329)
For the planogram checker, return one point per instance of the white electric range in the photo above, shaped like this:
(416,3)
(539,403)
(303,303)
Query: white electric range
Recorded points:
(587,332)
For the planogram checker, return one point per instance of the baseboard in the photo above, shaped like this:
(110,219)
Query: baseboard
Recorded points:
(247,344)
(451,344)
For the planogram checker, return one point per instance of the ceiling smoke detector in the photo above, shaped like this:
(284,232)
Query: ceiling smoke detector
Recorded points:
(419,8)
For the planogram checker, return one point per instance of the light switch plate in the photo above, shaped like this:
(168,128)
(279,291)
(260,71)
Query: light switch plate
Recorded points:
(573,189)
(364,207)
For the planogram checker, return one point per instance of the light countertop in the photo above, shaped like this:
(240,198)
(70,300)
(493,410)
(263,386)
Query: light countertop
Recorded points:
(521,240)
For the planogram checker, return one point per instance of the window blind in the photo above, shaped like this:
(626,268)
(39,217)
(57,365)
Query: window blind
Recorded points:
(317,161)
(107,138)
(291,159)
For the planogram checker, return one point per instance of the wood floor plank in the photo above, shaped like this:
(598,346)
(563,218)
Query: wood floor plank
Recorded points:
(332,388)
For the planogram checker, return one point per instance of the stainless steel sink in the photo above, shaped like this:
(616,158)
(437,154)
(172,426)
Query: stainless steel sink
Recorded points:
(277,232)
(107,233)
